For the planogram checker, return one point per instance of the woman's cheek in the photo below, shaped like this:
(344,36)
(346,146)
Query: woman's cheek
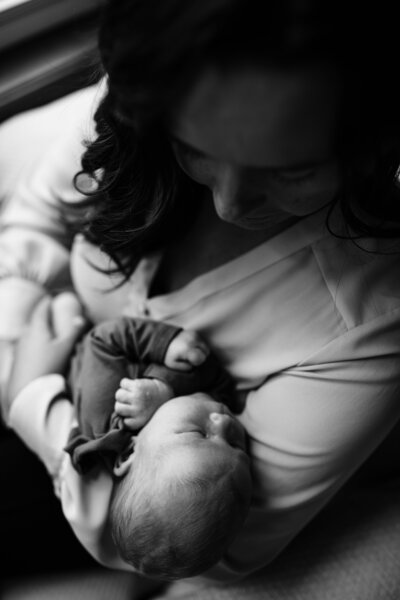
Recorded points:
(309,196)
(200,170)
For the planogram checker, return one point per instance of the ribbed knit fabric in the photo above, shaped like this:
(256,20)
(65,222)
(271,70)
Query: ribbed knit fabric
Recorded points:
(350,552)
(97,584)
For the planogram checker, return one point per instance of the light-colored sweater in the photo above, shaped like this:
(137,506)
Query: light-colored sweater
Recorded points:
(306,323)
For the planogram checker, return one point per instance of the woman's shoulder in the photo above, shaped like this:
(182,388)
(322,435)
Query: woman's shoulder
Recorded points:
(363,276)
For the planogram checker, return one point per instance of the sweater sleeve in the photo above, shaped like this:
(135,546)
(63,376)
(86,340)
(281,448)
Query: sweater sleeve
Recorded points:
(34,240)
(310,428)
(42,415)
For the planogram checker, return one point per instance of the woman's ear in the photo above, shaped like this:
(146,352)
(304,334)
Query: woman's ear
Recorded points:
(124,461)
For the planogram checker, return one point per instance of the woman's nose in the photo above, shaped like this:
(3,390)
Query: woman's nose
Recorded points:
(230,193)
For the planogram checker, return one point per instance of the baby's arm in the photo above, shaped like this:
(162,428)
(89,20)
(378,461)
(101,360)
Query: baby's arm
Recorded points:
(138,399)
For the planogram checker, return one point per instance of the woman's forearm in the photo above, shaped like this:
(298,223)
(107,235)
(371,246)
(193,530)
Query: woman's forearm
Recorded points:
(34,238)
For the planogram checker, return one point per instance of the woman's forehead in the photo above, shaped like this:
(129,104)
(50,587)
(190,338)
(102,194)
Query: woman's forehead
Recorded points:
(260,117)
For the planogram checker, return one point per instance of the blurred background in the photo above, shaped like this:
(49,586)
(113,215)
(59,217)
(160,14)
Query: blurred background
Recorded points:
(48,48)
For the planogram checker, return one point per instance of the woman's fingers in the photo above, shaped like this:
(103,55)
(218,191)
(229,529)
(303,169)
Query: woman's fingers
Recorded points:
(64,347)
(41,318)
(67,314)
(60,317)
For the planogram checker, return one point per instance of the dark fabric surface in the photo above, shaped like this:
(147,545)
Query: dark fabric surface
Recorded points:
(351,551)
(34,534)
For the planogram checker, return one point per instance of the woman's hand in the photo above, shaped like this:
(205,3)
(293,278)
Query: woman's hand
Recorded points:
(47,343)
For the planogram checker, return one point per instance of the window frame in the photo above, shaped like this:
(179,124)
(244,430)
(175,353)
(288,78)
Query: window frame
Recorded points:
(50,50)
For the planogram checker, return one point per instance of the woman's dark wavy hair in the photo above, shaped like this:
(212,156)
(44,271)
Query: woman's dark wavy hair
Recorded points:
(152,51)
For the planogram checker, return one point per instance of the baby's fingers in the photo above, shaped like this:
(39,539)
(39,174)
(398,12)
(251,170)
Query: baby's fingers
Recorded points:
(196,356)
(132,419)
(128,384)
(123,396)
(134,424)
(123,410)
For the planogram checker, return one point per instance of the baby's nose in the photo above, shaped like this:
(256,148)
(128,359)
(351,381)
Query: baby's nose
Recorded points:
(221,424)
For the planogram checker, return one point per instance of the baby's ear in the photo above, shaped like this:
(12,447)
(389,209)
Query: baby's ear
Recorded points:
(124,461)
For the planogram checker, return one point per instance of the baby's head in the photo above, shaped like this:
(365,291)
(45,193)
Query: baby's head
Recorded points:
(187,491)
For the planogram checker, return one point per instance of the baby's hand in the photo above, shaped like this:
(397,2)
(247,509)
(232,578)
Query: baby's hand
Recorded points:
(138,399)
(186,350)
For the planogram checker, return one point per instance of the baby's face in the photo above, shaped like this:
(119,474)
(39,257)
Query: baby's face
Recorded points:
(195,433)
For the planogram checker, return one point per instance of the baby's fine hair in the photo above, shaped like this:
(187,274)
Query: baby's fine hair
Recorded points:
(173,528)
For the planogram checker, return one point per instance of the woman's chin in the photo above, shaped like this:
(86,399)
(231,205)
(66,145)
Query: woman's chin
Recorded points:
(264,223)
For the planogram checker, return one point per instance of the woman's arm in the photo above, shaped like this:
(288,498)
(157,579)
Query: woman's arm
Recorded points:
(39,410)
(39,155)
(34,241)
(42,416)
(310,428)
(46,344)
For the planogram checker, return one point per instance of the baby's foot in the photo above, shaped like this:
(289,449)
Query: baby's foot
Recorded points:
(186,350)
(138,399)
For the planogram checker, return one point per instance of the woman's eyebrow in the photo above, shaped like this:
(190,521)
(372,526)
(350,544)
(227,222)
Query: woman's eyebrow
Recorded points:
(300,166)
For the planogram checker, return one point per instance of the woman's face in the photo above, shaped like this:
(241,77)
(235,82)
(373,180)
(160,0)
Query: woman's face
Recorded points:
(262,141)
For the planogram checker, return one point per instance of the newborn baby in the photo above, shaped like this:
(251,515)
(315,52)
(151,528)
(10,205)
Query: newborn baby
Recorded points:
(152,406)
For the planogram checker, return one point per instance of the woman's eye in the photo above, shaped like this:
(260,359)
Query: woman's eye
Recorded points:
(186,150)
(293,176)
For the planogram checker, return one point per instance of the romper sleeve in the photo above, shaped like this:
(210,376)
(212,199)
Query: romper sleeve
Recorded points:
(310,428)
(110,351)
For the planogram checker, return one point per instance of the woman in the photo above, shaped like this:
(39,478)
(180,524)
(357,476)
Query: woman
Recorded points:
(243,182)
